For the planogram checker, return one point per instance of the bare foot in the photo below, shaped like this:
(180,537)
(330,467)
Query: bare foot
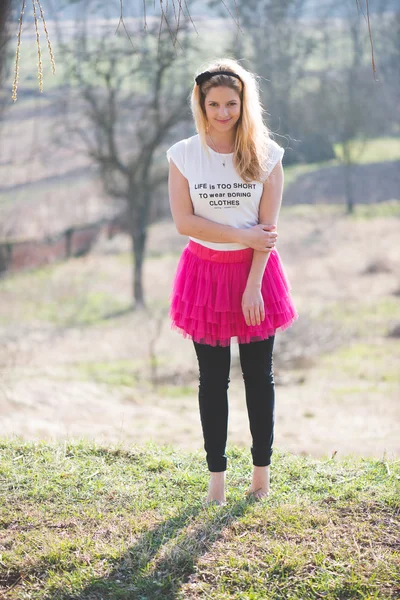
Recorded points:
(260,486)
(216,488)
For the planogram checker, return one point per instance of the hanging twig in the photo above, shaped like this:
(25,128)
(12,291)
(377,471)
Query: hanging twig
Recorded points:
(40,65)
(370,35)
(122,22)
(15,84)
(53,64)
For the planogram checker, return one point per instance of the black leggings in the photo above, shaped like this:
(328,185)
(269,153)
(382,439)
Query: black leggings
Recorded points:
(258,375)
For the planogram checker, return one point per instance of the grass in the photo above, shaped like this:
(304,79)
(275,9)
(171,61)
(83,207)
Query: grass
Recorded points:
(72,311)
(177,391)
(376,150)
(365,318)
(390,208)
(367,361)
(131,374)
(67,309)
(113,373)
(367,371)
(61,295)
(81,520)
(292,172)
(386,209)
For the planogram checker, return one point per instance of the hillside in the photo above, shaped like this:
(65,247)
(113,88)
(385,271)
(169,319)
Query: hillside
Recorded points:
(82,520)
(75,360)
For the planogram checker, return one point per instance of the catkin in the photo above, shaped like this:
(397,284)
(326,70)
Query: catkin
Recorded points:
(53,64)
(40,65)
(16,73)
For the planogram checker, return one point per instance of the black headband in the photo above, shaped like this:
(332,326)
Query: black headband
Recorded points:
(207,74)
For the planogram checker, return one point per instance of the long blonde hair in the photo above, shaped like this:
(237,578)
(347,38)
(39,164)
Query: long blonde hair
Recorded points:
(252,135)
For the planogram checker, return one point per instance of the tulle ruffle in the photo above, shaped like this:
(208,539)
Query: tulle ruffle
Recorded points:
(205,302)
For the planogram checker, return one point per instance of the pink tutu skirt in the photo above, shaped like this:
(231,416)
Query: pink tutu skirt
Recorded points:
(207,290)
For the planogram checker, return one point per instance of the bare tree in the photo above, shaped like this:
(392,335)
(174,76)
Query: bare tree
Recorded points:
(354,115)
(121,107)
(349,101)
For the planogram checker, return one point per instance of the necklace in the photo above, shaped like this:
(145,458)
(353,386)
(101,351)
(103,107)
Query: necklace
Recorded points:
(223,160)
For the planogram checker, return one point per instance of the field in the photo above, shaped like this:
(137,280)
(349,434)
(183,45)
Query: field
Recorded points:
(77,362)
(102,466)
(81,520)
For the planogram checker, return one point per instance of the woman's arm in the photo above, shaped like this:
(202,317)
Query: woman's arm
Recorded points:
(258,237)
(187,223)
(270,203)
(269,208)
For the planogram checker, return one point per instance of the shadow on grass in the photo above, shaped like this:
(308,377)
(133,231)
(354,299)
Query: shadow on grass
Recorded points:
(163,558)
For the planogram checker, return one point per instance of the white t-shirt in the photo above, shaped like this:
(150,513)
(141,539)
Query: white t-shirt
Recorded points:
(218,193)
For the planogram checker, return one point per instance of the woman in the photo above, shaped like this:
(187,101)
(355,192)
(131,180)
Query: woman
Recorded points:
(225,188)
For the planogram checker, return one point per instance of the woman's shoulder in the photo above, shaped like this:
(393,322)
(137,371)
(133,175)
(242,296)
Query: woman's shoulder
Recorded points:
(275,151)
(186,142)
(274,155)
(182,154)
(273,146)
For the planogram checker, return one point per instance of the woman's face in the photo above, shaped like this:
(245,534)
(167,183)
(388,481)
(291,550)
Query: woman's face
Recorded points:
(223,108)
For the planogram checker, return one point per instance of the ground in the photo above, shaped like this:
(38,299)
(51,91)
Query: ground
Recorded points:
(75,362)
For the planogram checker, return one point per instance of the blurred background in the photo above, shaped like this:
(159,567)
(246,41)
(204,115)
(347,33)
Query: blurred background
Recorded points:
(88,248)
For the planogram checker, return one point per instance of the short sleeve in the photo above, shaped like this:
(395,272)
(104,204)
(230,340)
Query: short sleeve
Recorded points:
(276,153)
(177,153)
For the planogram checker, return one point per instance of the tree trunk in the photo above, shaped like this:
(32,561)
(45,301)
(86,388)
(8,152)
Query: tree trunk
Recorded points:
(348,188)
(138,252)
(5,9)
(139,207)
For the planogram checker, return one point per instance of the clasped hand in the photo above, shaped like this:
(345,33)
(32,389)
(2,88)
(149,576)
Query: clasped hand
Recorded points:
(260,237)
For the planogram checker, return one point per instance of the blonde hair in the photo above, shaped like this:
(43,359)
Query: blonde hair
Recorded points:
(252,135)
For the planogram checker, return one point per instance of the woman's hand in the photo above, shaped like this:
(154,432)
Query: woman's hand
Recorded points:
(253,305)
(260,237)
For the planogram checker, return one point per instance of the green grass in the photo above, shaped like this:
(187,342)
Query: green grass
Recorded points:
(69,309)
(292,172)
(177,391)
(366,318)
(356,357)
(81,520)
(376,150)
(388,209)
(89,309)
(113,373)
(364,368)
(129,373)
(61,296)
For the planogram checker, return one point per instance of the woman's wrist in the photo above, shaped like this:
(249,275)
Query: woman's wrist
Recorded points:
(256,284)
(241,237)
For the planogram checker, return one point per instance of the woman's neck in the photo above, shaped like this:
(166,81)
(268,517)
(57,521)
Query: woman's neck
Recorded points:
(223,141)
